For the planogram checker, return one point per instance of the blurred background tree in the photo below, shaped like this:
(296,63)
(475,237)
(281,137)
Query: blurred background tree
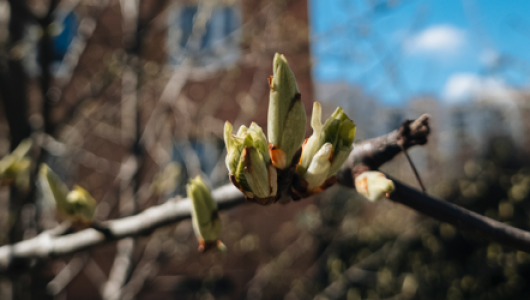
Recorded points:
(128,100)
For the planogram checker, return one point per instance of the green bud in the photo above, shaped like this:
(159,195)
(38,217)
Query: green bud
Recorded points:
(314,142)
(204,216)
(76,205)
(286,115)
(249,162)
(15,167)
(373,185)
(82,205)
(234,145)
(338,130)
(318,170)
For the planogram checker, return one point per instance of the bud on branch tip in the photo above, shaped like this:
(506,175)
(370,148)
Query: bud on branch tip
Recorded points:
(204,215)
(286,115)
(373,185)
(77,205)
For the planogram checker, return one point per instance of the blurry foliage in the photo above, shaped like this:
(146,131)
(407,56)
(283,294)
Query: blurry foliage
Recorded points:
(410,256)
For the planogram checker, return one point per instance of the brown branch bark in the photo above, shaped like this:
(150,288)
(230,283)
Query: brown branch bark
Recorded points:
(45,245)
(461,218)
(371,154)
(382,149)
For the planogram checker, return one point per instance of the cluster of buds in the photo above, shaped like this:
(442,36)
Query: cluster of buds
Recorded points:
(15,167)
(373,185)
(76,205)
(249,163)
(204,216)
(324,152)
(265,169)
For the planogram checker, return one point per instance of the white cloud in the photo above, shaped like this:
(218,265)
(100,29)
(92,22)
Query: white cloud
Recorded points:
(468,86)
(439,39)
(461,87)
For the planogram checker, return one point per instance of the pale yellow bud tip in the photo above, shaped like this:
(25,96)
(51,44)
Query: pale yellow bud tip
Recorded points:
(374,185)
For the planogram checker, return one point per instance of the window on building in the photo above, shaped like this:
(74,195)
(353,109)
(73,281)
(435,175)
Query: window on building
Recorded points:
(67,31)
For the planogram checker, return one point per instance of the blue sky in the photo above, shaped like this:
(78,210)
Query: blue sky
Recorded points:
(398,49)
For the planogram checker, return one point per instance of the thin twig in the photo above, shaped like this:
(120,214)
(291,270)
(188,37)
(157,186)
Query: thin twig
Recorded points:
(423,189)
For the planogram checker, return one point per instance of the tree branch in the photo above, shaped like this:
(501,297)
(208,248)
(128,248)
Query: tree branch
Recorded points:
(47,245)
(371,154)
(461,218)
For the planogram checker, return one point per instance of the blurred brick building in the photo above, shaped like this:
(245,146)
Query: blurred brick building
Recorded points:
(192,90)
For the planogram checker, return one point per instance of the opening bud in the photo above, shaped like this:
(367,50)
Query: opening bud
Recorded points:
(338,131)
(318,170)
(249,162)
(373,185)
(82,204)
(77,205)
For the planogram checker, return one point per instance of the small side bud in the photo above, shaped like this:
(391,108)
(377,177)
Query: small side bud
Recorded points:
(77,205)
(82,204)
(374,185)
(15,167)
(204,216)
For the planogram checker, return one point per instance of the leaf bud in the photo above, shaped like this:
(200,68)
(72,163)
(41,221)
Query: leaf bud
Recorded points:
(249,163)
(15,167)
(373,185)
(286,115)
(76,205)
(204,215)
(338,130)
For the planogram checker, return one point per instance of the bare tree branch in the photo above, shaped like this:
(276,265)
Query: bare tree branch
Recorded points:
(371,154)
(461,218)
(47,245)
